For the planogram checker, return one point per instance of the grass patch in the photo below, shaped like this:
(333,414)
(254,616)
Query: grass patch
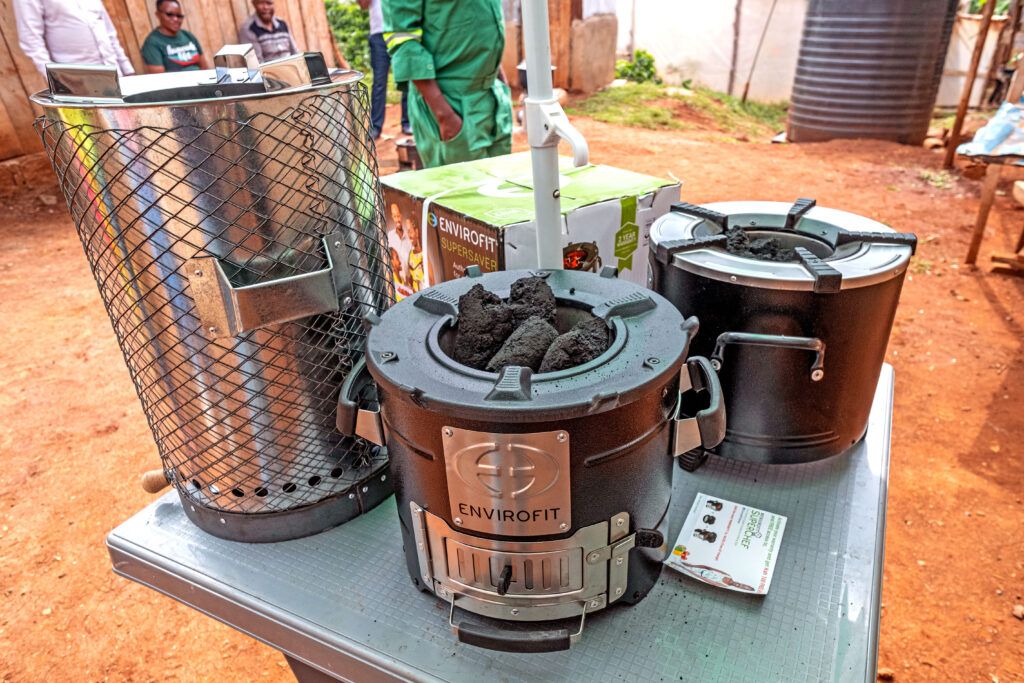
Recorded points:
(940,180)
(942,118)
(646,105)
(633,104)
(741,117)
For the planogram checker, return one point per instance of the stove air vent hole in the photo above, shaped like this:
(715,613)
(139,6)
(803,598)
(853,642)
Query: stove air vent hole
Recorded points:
(237,492)
(314,480)
(288,487)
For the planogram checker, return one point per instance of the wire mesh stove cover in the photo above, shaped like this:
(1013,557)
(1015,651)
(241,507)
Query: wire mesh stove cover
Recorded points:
(265,177)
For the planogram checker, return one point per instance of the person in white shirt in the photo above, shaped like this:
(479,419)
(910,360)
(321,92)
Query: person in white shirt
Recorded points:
(398,240)
(380,63)
(69,32)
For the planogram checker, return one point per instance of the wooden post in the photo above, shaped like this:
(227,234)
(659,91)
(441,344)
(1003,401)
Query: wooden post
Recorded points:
(965,96)
(737,17)
(988,196)
(1001,53)
(560,15)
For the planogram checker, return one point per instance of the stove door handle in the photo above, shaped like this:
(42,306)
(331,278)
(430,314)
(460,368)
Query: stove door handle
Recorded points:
(352,419)
(513,640)
(706,429)
(502,640)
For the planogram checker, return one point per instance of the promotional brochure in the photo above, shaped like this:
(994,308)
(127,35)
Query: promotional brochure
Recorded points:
(728,545)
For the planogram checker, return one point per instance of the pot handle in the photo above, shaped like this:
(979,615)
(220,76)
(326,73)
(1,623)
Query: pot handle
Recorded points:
(803,343)
(508,640)
(707,428)
(352,418)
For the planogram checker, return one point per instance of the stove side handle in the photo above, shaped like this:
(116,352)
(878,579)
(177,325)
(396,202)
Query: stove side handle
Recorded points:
(358,407)
(706,429)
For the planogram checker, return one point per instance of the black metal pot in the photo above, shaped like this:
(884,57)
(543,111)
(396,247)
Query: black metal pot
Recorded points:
(534,497)
(798,345)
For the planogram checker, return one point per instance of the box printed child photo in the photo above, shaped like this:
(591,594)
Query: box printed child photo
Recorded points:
(405,249)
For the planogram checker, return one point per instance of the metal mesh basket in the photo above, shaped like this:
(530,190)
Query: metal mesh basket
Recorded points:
(237,244)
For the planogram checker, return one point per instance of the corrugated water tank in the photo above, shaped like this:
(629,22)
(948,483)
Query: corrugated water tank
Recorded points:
(869,69)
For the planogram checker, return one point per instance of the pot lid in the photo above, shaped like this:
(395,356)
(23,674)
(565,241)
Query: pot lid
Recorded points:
(237,74)
(835,249)
(407,350)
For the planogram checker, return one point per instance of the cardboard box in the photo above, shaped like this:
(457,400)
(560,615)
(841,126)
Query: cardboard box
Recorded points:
(481,212)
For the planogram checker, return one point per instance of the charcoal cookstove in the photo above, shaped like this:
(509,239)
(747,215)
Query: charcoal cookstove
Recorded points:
(767,324)
(581,256)
(526,497)
(232,220)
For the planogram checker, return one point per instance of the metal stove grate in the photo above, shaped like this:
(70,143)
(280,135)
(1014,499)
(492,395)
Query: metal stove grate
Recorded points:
(246,423)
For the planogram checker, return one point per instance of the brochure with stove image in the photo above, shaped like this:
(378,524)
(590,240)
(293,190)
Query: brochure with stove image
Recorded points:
(728,545)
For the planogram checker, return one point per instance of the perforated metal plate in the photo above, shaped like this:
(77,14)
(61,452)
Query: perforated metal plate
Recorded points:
(342,602)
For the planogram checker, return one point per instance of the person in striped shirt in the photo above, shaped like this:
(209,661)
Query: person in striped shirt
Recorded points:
(269,35)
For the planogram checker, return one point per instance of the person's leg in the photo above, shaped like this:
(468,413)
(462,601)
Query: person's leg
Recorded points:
(380,63)
(406,128)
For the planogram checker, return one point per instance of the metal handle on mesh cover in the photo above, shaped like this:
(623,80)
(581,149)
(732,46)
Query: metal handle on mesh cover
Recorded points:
(707,428)
(228,311)
(801,343)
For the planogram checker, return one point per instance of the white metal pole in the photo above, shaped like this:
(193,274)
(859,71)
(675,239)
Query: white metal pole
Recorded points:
(544,148)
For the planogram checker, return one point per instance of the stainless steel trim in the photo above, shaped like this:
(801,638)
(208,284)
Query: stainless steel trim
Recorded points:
(618,568)
(508,484)
(130,85)
(370,426)
(230,61)
(419,532)
(540,573)
(286,72)
(686,436)
(83,82)
(868,265)
(228,311)
(587,582)
(685,432)
(619,528)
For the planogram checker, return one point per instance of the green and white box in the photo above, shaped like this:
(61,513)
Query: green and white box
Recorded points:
(481,213)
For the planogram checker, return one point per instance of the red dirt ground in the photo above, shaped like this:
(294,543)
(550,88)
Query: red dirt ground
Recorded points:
(73,439)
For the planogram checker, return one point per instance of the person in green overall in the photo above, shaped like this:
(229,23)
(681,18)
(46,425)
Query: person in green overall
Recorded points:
(451,52)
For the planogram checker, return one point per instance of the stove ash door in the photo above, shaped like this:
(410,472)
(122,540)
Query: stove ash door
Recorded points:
(523,581)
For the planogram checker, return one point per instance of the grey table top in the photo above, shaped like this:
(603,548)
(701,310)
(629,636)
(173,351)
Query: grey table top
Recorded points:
(342,602)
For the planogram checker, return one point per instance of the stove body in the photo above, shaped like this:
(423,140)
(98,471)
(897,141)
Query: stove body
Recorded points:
(530,498)
(232,219)
(798,346)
